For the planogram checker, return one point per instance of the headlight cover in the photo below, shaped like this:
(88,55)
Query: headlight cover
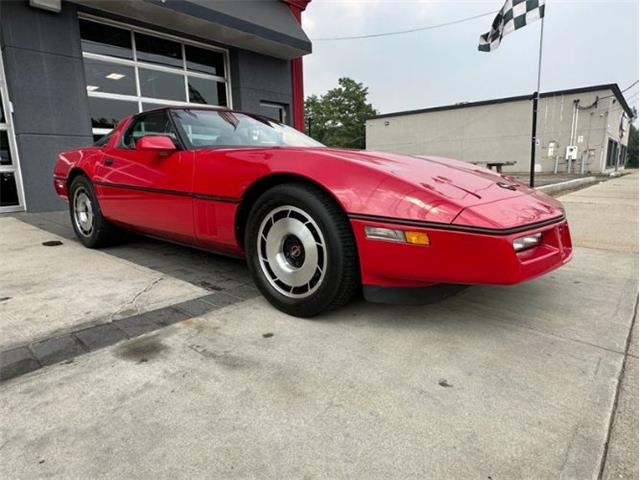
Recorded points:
(526,242)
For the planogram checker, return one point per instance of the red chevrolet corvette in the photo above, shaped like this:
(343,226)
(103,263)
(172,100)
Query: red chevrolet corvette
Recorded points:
(315,224)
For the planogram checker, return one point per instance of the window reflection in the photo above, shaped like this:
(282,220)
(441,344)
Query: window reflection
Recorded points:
(109,77)
(158,50)
(116,88)
(205,61)
(209,92)
(105,40)
(163,85)
(5,152)
(156,123)
(8,189)
(274,110)
(106,112)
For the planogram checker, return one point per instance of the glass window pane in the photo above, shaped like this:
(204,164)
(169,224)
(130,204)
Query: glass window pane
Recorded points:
(158,50)
(215,128)
(8,190)
(166,86)
(5,152)
(157,123)
(105,39)
(205,61)
(106,113)
(1,111)
(109,77)
(273,110)
(210,92)
(102,140)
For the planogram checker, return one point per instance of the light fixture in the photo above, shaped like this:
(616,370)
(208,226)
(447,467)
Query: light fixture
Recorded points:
(115,76)
(91,88)
(401,236)
(529,241)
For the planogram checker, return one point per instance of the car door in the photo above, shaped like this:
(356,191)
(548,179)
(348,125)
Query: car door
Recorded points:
(150,190)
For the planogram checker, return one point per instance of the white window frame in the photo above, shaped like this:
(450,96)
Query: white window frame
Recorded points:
(13,147)
(136,64)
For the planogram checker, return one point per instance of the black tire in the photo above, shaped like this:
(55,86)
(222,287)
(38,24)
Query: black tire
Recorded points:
(336,278)
(102,233)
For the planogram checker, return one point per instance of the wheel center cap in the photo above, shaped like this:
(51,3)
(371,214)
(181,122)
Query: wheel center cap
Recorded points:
(293,251)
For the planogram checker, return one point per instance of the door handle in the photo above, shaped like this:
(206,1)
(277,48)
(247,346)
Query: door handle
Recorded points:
(108,161)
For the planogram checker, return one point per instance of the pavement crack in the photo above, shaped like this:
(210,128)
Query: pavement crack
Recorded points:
(136,296)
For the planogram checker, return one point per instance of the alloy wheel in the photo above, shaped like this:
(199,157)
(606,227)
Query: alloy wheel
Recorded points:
(292,251)
(83,212)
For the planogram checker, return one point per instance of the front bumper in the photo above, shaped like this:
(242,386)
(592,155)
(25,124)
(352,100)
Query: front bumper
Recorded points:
(455,256)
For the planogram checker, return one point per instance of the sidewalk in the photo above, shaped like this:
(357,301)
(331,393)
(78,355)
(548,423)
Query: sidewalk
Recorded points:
(498,382)
(607,218)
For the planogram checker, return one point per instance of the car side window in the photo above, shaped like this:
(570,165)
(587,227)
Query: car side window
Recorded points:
(103,140)
(155,123)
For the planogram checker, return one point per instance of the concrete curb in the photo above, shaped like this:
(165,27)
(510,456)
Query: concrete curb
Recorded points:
(568,185)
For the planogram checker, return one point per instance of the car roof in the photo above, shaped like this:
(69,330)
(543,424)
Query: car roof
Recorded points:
(214,108)
(189,106)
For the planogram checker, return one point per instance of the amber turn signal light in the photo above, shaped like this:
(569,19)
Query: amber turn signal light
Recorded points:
(402,236)
(416,238)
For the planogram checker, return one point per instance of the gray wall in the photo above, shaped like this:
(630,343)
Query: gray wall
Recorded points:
(502,131)
(45,78)
(480,133)
(256,78)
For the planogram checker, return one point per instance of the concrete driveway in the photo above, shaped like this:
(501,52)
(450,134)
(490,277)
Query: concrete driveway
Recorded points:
(531,381)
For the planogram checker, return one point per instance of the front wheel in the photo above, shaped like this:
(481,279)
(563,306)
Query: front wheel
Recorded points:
(301,251)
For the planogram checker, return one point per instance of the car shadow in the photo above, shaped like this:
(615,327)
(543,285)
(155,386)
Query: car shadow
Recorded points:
(204,269)
(217,273)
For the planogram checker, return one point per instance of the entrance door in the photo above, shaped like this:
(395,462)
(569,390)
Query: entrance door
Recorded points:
(11,194)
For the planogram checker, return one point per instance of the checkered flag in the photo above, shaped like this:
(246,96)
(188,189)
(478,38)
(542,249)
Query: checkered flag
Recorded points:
(514,14)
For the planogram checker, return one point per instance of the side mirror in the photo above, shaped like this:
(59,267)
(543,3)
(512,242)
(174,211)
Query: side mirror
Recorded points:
(160,143)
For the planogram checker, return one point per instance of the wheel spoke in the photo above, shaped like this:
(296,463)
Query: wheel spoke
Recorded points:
(291,251)
(83,212)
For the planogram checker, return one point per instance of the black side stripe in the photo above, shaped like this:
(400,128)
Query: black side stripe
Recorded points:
(200,196)
(459,228)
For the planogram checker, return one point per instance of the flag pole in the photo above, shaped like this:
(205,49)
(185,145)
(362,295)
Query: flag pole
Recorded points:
(534,122)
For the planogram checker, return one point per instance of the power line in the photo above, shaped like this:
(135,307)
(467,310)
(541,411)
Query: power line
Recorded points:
(401,32)
(630,86)
(621,91)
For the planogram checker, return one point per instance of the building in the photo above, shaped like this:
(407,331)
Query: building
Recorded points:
(579,130)
(69,70)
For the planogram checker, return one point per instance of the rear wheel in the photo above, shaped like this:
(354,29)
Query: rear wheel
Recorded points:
(90,226)
(301,251)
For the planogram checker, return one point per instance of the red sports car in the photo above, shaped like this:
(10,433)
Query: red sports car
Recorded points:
(315,224)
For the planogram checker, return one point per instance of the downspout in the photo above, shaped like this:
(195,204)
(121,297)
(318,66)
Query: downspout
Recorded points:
(605,143)
(297,88)
(574,122)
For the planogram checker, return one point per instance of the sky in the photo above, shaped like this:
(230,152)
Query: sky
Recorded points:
(586,42)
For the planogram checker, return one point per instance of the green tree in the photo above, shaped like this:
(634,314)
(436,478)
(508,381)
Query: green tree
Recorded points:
(632,148)
(338,117)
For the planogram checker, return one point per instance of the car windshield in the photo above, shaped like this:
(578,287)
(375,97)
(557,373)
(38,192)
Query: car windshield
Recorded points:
(212,128)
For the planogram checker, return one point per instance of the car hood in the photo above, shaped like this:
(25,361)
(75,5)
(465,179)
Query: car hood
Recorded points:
(454,191)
